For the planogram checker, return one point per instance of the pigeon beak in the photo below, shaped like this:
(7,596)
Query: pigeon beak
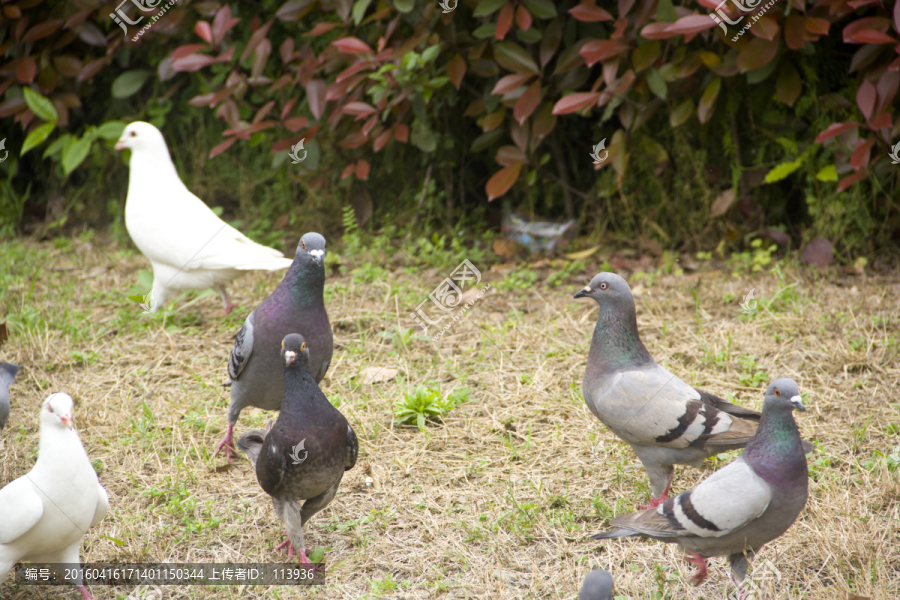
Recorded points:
(587,290)
(68,421)
(319,255)
(798,403)
(120,145)
(289,357)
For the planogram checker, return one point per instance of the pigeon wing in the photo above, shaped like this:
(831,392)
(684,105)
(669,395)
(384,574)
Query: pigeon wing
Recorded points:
(21,508)
(243,347)
(352,449)
(102,506)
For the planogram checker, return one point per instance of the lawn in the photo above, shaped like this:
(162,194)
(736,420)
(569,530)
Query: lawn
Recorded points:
(496,495)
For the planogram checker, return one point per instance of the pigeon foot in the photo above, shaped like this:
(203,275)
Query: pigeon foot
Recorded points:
(85,593)
(654,502)
(226,301)
(228,445)
(698,560)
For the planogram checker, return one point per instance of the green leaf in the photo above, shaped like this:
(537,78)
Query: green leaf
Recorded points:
(488,7)
(681,113)
(422,137)
(111,130)
(514,57)
(529,36)
(828,173)
(404,6)
(128,83)
(57,145)
(40,105)
(37,136)
(541,9)
(665,11)
(781,171)
(359,10)
(115,541)
(656,83)
(485,31)
(431,53)
(486,140)
(75,154)
(645,55)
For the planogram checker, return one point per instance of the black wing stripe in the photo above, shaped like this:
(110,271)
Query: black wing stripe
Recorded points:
(684,421)
(684,500)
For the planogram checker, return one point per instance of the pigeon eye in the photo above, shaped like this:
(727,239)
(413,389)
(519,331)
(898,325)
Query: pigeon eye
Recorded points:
(302,346)
(303,244)
(777,392)
(134,134)
(603,285)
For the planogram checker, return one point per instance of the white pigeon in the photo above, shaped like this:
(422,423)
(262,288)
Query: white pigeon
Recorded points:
(189,247)
(46,512)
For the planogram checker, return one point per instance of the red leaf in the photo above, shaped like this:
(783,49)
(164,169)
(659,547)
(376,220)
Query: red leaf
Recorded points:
(870,36)
(527,102)
(766,27)
(860,156)
(523,18)
(354,139)
(351,45)
(354,69)
(382,140)
(42,30)
(186,50)
(286,144)
(504,21)
(348,171)
(509,155)
(191,63)
(597,50)
(222,147)
(222,23)
(226,56)
(691,24)
(619,31)
(255,40)
(510,82)
(78,18)
(359,108)
(833,130)
(203,29)
(875,23)
(865,98)
(92,68)
(369,125)
(456,70)
(321,28)
(315,95)
(794,29)
(502,180)
(574,102)
(401,133)
(849,180)
(295,124)
(657,31)
(26,69)
(897,16)
(881,121)
(362,169)
(588,12)
(757,54)
(817,26)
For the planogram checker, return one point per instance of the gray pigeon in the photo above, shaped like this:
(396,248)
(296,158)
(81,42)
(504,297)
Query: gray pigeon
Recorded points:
(7,374)
(296,305)
(307,450)
(598,585)
(662,418)
(742,506)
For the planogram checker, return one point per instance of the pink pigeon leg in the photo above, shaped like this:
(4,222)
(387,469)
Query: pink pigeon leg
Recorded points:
(698,560)
(85,593)
(228,444)
(654,502)
(225,300)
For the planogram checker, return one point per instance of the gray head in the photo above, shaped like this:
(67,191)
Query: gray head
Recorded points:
(312,244)
(294,350)
(783,393)
(7,374)
(608,289)
(598,585)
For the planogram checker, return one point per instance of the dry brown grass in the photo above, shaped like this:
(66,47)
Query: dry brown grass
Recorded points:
(498,501)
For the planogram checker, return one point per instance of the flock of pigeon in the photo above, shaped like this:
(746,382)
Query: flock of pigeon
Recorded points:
(284,349)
